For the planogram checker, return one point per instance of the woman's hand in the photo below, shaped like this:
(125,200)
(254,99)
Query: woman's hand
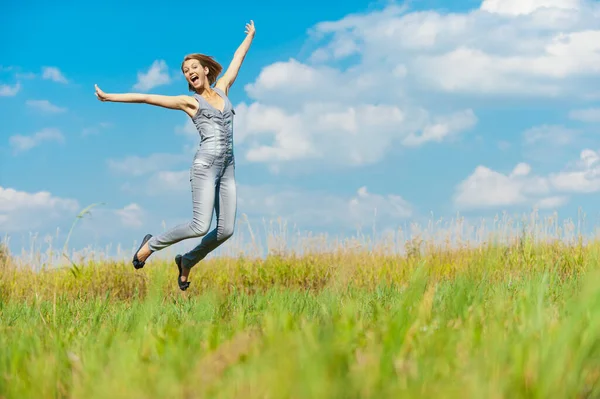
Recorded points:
(250,28)
(102,96)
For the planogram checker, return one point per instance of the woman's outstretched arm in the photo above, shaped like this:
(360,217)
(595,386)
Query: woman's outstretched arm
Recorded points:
(183,103)
(230,75)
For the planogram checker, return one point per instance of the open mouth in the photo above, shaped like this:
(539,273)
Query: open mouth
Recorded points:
(194,78)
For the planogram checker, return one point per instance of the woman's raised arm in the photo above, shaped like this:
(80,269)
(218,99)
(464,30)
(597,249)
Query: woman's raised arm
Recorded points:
(225,82)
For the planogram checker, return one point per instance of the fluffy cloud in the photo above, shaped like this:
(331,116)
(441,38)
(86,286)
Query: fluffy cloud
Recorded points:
(529,47)
(544,72)
(45,106)
(157,75)
(581,176)
(21,143)
(486,188)
(21,211)
(361,93)
(340,134)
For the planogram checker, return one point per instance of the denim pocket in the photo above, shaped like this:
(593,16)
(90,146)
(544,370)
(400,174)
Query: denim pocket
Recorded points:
(207,114)
(204,160)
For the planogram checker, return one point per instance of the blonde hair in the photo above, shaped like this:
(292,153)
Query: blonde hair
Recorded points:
(214,68)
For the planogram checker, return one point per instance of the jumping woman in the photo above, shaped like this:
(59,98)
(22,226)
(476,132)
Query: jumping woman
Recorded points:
(212,174)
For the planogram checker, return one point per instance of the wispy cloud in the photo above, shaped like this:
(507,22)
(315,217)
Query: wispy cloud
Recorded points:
(131,215)
(591,115)
(139,166)
(45,106)
(157,75)
(92,130)
(54,74)
(21,143)
(9,91)
(549,134)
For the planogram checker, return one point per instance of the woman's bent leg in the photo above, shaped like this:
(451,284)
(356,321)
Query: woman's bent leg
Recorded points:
(202,179)
(226,209)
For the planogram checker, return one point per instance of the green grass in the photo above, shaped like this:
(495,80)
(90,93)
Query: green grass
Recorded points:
(495,322)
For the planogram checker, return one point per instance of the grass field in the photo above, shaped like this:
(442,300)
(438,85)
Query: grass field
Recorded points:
(517,321)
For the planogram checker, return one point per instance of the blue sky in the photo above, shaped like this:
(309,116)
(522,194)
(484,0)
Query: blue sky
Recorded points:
(412,109)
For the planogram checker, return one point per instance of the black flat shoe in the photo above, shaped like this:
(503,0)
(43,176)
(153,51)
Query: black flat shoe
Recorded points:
(136,262)
(183,285)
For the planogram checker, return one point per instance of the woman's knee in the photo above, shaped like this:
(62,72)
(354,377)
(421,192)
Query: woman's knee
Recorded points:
(199,228)
(225,233)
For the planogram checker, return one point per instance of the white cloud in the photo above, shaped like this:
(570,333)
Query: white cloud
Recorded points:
(395,59)
(581,176)
(544,72)
(131,215)
(443,127)
(591,115)
(519,7)
(137,166)
(549,134)
(292,83)
(45,106)
(21,211)
(486,188)
(9,91)
(157,75)
(54,74)
(525,48)
(22,143)
(339,134)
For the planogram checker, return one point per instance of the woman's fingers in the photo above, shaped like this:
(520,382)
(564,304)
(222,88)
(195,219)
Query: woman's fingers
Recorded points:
(99,93)
(250,27)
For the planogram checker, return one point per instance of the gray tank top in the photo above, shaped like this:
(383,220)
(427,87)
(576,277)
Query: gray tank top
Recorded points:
(215,127)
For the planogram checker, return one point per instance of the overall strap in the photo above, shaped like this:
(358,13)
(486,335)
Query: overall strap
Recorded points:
(226,102)
(221,92)
(202,102)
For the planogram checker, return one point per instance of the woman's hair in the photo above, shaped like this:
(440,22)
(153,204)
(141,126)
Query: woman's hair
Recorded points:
(214,68)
